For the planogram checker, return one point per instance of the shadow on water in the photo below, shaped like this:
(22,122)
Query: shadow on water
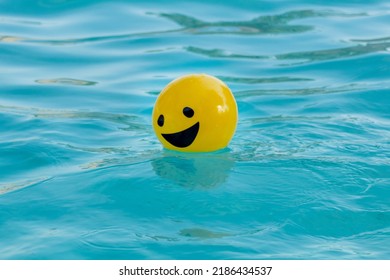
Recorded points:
(188,170)
(204,170)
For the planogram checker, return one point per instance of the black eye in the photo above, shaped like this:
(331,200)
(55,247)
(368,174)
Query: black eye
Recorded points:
(188,112)
(160,120)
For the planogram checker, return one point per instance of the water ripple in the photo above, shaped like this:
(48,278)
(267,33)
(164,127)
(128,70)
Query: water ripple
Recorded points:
(327,89)
(66,81)
(11,39)
(132,122)
(331,54)
(202,233)
(253,80)
(269,24)
(10,187)
(83,175)
(110,239)
(220,53)
(363,48)
(19,21)
(265,24)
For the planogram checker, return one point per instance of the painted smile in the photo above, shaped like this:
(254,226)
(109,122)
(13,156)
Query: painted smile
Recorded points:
(183,138)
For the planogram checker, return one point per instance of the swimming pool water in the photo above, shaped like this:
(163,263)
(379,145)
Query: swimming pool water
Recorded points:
(306,176)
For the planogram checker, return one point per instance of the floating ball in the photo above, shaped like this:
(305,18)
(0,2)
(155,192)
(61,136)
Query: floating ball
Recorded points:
(195,113)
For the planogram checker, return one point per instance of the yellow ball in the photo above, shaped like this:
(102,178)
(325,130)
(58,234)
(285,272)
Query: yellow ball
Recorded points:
(195,113)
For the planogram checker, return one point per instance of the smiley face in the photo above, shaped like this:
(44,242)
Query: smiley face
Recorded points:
(184,138)
(195,113)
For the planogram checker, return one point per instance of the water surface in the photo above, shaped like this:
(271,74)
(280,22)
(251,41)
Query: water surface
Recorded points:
(82,175)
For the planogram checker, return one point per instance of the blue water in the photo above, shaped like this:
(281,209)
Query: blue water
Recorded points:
(306,176)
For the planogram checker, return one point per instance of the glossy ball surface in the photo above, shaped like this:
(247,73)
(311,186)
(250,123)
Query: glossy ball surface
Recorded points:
(195,113)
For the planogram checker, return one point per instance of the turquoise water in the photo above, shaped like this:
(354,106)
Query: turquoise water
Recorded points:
(306,176)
